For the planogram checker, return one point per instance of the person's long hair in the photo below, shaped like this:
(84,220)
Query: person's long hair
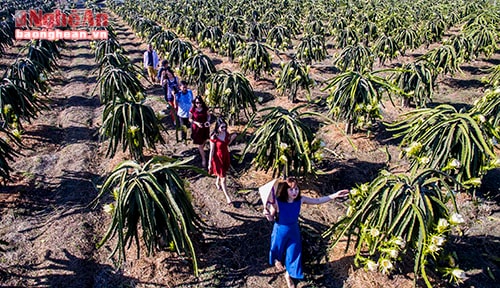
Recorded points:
(168,69)
(283,187)
(219,122)
(203,104)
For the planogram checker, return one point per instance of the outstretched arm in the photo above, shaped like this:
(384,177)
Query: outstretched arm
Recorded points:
(232,137)
(324,199)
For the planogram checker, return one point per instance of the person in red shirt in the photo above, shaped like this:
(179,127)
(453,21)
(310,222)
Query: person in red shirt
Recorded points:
(219,159)
(200,126)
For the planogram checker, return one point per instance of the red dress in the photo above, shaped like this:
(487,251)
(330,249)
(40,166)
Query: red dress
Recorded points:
(220,160)
(199,134)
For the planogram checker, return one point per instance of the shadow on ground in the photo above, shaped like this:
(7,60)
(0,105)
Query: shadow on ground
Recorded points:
(478,256)
(69,271)
(233,254)
(64,136)
(345,175)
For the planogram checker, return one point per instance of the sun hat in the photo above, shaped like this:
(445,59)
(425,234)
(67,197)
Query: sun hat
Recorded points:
(267,192)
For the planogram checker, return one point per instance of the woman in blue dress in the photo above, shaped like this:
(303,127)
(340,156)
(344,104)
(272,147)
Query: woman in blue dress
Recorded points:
(286,244)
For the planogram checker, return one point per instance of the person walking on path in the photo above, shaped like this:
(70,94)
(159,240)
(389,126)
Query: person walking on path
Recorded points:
(183,102)
(219,159)
(286,243)
(151,61)
(200,126)
(170,84)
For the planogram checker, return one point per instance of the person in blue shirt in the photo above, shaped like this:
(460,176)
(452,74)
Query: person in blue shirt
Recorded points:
(286,243)
(183,102)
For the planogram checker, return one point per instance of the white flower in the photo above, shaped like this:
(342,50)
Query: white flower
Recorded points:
(371,265)
(456,219)
(386,266)
(374,232)
(424,160)
(283,145)
(319,156)
(442,225)
(414,148)
(17,133)
(455,163)
(354,191)
(133,129)
(400,242)
(393,253)
(109,208)
(283,159)
(42,77)
(364,187)
(438,240)
(459,274)
(482,119)
(433,248)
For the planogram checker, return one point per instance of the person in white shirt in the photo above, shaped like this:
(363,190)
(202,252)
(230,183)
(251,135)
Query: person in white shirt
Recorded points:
(151,61)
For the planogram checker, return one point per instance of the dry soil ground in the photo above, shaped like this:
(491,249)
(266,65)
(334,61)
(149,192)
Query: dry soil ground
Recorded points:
(52,232)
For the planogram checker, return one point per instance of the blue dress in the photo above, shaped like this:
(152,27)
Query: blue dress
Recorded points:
(286,244)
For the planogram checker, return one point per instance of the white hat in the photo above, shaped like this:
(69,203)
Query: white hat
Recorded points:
(267,191)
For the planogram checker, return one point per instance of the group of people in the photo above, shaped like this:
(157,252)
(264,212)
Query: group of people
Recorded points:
(284,208)
(189,112)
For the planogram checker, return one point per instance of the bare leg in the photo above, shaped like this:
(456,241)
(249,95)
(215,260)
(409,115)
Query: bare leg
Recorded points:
(289,280)
(279,266)
(202,153)
(224,189)
(217,183)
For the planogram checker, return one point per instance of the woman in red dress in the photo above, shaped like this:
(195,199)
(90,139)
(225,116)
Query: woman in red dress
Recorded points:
(200,126)
(219,161)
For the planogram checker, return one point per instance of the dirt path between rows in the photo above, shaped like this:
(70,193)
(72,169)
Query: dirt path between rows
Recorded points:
(52,232)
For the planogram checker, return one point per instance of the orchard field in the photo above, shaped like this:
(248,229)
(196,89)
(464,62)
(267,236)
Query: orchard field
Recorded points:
(398,101)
